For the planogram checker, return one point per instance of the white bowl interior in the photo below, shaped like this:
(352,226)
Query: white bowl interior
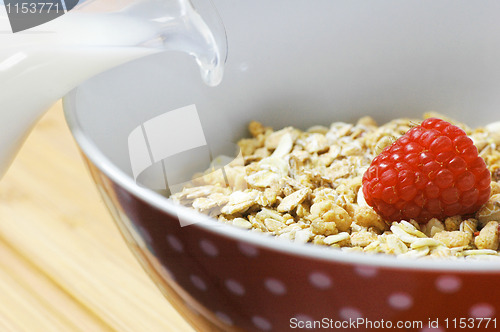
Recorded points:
(303,63)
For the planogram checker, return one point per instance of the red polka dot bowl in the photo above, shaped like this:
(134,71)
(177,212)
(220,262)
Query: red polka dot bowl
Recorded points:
(301,64)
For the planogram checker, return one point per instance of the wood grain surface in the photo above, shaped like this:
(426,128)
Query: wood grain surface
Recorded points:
(63,264)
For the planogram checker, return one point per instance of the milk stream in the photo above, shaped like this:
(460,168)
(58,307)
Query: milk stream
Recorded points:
(40,65)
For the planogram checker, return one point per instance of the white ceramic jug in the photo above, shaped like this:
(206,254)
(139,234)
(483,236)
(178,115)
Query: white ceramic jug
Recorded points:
(41,64)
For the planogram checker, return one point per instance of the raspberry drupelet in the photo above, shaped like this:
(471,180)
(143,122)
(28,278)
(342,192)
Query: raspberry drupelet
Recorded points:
(432,171)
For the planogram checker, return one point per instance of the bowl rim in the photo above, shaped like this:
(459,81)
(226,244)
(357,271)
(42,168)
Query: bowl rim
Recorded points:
(106,166)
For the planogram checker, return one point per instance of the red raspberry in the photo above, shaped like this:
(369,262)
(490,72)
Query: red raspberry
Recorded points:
(432,171)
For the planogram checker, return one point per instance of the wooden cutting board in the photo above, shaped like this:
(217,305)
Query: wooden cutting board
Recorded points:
(63,264)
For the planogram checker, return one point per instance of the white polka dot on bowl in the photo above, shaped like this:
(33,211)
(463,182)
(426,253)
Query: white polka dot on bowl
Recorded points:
(482,310)
(198,282)
(248,250)
(304,320)
(209,248)
(350,313)
(448,284)
(261,323)
(400,301)
(223,317)
(366,271)
(235,287)
(144,234)
(320,280)
(175,243)
(275,286)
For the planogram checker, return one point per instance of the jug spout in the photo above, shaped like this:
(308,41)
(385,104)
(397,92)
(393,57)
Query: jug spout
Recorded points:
(40,65)
(189,26)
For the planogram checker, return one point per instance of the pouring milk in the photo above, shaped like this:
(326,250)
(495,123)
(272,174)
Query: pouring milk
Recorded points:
(40,65)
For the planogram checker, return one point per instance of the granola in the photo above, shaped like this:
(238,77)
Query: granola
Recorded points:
(304,186)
